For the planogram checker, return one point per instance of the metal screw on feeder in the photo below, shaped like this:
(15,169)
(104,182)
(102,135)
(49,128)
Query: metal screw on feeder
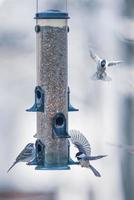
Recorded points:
(51,94)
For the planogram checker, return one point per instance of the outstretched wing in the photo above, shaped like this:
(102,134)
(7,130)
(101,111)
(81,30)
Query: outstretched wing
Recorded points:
(80,142)
(112,63)
(94,56)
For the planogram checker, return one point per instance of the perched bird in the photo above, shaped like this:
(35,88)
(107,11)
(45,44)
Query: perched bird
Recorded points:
(102,64)
(26,155)
(84,155)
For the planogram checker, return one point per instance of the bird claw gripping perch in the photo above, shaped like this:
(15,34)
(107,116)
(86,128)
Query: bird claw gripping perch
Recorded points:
(72,162)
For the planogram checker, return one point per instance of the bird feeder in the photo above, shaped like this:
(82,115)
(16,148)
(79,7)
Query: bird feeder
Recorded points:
(52,92)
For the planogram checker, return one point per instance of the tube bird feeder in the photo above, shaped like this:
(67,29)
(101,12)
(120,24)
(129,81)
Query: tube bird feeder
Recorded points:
(52,92)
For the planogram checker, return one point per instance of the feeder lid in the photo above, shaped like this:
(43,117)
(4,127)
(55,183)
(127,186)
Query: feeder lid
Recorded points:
(52,14)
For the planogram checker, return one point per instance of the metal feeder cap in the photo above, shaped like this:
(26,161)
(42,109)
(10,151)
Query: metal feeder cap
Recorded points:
(52,14)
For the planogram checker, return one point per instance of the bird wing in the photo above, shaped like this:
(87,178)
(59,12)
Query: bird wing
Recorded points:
(94,56)
(11,166)
(80,142)
(24,154)
(112,63)
(94,157)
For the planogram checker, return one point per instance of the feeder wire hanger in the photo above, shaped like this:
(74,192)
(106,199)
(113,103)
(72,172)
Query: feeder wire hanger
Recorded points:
(66,8)
(37,41)
(37,7)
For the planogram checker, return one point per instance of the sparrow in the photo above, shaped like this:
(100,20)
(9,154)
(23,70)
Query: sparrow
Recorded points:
(84,154)
(26,155)
(102,64)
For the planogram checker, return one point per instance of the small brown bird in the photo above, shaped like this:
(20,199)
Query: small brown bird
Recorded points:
(26,155)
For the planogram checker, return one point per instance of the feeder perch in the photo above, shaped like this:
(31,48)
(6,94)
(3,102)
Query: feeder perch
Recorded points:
(70,107)
(39,101)
(59,126)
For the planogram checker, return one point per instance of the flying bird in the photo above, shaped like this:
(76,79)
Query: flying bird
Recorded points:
(26,155)
(84,151)
(102,64)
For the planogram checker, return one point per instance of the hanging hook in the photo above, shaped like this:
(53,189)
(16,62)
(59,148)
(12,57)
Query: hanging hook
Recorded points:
(37,6)
(66,6)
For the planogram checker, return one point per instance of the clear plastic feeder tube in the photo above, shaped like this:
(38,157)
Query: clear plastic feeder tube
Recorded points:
(52,77)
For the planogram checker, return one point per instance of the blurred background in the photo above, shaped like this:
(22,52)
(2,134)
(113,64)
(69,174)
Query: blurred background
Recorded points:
(106,109)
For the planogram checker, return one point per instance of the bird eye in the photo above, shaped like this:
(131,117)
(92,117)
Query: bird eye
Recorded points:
(103,64)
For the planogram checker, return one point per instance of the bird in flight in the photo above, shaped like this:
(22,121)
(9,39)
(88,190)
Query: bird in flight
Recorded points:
(102,64)
(84,151)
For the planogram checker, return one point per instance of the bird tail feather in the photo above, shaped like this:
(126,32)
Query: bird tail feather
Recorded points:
(11,167)
(94,77)
(96,173)
(106,77)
